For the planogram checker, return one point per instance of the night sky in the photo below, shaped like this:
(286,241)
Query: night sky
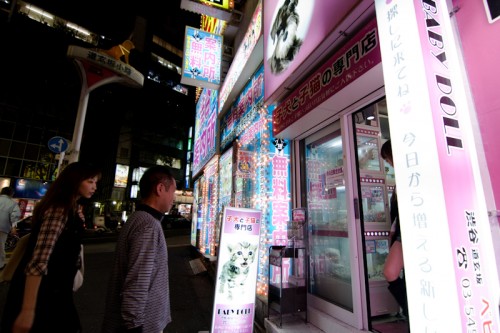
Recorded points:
(115,19)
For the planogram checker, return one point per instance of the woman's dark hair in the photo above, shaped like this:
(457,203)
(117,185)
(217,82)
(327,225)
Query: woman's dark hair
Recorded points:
(386,150)
(63,192)
(153,176)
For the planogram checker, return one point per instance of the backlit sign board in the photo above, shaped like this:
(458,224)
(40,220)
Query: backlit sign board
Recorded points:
(201,66)
(292,31)
(234,301)
(121,175)
(205,127)
(242,55)
(354,59)
(220,9)
(444,221)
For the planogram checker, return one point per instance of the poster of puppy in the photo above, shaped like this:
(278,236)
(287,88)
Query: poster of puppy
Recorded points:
(288,30)
(293,31)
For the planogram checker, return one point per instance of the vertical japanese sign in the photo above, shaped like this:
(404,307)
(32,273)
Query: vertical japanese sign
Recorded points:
(234,301)
(243,110)
(201,65)
(204,130)
(242,55)
(451,278)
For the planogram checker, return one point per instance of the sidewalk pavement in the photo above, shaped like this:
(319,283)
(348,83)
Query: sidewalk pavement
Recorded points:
(191,286)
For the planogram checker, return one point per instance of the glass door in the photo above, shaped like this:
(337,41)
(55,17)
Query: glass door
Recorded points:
(376,183)
(333,271)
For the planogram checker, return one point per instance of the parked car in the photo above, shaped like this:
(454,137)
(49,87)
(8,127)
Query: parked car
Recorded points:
(175,222)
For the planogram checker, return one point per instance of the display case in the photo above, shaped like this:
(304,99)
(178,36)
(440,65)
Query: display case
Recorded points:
(287,272)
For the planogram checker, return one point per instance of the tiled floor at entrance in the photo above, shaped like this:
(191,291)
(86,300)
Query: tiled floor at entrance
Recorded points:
(390,324)
(296,324)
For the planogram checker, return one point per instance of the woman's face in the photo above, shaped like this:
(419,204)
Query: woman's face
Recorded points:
(88,187)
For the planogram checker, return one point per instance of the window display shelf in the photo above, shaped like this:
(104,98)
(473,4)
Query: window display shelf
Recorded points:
(288,294)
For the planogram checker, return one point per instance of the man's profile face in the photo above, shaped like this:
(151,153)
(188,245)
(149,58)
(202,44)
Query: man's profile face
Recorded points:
(168,196)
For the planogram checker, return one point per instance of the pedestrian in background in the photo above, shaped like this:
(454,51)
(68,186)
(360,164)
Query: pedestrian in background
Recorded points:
(138,298)
(9,215)
(40,297)
(394,263)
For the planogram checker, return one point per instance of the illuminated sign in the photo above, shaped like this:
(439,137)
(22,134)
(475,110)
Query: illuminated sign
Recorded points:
(106,62)
(220,9)
(201,66)
(444,220)
(121,175)
(293,30)
(240,59)
(212,24)
(361,54)
(234,301)
(226,178)
(224,4)
(243,111)
(205,127)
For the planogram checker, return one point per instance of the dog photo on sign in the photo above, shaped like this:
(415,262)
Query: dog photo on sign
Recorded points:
(286,35)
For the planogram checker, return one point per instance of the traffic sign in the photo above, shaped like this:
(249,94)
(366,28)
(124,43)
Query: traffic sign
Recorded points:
(58,144)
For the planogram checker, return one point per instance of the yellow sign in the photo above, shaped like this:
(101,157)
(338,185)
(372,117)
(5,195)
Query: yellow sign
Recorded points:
(224,4)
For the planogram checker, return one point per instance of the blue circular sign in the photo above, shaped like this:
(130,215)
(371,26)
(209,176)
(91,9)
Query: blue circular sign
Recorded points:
(58,144)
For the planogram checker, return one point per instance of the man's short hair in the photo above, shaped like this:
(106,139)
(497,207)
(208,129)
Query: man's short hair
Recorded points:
(152,177)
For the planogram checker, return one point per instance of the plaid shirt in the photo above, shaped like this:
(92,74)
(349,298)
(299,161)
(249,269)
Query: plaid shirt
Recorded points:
(53,223)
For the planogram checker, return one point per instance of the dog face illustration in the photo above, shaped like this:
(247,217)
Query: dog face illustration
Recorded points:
(284,36)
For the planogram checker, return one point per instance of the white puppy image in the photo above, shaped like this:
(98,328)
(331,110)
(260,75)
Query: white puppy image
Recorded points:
(284,36)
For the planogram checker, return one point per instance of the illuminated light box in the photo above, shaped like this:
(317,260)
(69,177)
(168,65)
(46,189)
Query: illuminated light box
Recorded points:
(220,9)
(201,66)
(205,129)
(121,175)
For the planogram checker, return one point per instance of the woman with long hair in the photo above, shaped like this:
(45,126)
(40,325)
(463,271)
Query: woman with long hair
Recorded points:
(40,297)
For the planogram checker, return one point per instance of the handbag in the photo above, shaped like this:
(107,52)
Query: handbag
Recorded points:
(78,281)
(15,258)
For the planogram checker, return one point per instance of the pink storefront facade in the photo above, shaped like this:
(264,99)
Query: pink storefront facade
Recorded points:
(429,71)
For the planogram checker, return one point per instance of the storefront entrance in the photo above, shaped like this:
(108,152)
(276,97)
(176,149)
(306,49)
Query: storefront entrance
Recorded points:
(348,187)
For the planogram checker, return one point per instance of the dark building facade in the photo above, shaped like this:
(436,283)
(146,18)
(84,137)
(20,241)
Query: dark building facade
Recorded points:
(133,127)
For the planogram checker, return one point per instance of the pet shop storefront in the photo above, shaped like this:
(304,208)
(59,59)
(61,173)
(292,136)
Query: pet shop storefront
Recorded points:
(336,119)
(255,173)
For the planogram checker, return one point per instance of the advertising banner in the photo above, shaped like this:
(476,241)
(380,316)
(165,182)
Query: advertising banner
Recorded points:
(220,9)
(201,66)
(293,30)
(252,35)
(234,301)
(451,278)
(357,57)
(243,110)
(204,130)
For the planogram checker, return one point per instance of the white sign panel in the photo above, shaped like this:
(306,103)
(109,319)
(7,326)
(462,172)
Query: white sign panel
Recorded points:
(451,280)
(234,302)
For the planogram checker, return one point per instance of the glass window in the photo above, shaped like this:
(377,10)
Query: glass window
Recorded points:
(13,167)
(4,147)
(17,149)
(35,135)
(330,271)
(21,132)
(31,152)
